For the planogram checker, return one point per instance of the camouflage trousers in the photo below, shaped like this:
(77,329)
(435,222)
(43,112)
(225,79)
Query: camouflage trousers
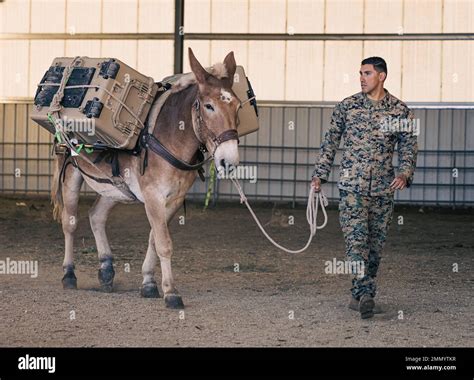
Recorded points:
(364,221)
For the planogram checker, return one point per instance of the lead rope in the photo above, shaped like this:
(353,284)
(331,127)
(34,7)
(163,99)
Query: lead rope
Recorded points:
(314,199)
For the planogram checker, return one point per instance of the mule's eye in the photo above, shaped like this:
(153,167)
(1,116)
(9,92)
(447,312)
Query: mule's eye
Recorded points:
(209,107)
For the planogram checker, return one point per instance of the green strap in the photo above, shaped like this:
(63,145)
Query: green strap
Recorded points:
(212,174)
(57,135)
(79,148)
(50,118)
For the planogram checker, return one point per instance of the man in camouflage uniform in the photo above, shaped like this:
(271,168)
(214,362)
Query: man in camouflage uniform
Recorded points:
(372,122)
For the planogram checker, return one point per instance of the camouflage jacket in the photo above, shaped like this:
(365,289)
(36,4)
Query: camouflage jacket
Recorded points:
(370,130)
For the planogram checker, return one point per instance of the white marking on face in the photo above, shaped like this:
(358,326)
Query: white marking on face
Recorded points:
(226,96)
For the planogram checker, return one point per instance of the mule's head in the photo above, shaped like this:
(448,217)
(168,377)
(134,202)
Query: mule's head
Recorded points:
(215,110)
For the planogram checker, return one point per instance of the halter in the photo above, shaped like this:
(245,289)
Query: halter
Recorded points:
(198,124)
(148,140)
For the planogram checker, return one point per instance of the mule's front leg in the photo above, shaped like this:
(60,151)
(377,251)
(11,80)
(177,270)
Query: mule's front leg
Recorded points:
(158,215)
(149,288)
(172,298)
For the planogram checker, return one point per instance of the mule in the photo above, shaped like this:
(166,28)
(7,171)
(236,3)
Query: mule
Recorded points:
(200,107)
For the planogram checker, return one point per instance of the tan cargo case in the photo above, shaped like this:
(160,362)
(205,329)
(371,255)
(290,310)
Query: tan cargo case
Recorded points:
(105,114)
(248,114)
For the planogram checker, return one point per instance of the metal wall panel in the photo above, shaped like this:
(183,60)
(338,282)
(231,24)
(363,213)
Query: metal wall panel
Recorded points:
(304,70)
(345,16)
(197,16)
(457,79)
(15,16)
(154,59)
(284,151)
(229,16)
(83,16)
(267,16)
(421,68)
(423,16)
(119,16)
(458,16)
(8,140)
(469,160)
(266,67)
(155,16)
(305,16)
(89,48)
(13,71)
(383,16)
(48,16)
(419,71)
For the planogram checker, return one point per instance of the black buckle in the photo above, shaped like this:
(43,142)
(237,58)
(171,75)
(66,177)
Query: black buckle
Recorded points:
(144,139)
(203,148)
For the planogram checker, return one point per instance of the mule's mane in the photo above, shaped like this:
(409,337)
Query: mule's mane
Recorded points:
(217,70)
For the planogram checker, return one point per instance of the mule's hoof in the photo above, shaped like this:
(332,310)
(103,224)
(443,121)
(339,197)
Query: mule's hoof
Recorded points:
(107,288)
(69,281)
(106,279)
(150,290)
(174,302)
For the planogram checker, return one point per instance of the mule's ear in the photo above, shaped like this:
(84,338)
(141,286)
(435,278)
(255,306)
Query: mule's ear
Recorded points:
(230,65)
(196,67)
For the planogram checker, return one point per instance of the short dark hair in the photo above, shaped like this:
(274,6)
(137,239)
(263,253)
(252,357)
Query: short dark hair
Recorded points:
(379,64)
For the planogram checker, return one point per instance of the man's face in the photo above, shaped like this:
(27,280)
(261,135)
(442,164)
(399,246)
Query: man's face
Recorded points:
(370,78)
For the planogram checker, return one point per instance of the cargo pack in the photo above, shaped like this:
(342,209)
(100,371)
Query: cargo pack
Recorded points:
(106,103)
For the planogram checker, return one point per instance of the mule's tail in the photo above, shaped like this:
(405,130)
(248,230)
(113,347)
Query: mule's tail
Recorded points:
(56,188)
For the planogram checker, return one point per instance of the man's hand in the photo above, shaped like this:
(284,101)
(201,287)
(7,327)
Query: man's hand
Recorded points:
(399,183)
(316,184)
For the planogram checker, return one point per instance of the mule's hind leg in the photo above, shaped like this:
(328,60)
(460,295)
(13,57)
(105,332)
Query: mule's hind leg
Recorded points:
(70,195)
(149,288)
(98,215)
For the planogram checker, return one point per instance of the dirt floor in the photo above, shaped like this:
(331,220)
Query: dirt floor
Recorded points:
(276,299)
